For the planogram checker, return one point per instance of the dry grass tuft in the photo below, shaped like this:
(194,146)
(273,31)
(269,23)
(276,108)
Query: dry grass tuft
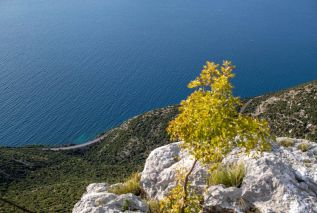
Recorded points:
(230,175)
(304,147)
(131,185)
(288,142)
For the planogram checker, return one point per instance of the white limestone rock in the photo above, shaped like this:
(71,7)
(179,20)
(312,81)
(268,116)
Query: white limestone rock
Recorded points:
(220,199)
(97,187)
(158,176)
(98,200)
(284,180)
(278,181)
(275,182)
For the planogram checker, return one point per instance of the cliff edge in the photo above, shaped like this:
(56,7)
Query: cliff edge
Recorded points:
(283,180)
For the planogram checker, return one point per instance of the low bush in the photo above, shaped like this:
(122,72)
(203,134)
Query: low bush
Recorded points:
(229,175)
(303,147)
(154,206)
(288,142)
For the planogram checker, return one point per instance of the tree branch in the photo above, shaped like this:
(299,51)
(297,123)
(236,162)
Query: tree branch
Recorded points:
(184,204)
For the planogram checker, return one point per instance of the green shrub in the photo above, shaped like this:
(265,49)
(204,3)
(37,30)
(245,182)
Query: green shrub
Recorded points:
(307,161)
(126,205)
(303,147)
(229,175)
(154,206)
(287,142)
(131,185)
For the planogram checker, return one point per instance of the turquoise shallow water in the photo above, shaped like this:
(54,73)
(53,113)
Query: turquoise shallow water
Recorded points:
(70,69)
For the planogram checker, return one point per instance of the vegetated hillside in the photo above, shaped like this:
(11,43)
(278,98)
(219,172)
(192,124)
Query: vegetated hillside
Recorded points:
(53,181)
(291,112)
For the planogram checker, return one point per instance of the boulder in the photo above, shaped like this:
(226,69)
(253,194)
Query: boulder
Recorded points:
(278,181)
(98,200)
(158,176)
(220,199)
(283,180)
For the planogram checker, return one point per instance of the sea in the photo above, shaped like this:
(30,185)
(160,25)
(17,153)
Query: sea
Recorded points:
(72,69)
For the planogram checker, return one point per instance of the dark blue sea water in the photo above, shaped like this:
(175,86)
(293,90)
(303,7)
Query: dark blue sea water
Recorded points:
(70,69)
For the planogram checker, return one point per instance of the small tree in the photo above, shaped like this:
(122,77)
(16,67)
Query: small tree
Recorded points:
(210,124)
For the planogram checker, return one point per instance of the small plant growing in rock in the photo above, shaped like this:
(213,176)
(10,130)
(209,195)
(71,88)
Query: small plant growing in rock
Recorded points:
(154,206)
(174,202)
(307,160)
(287,142)
(126,205)
(228,175)
(210,124)
(131,185)
(304,147)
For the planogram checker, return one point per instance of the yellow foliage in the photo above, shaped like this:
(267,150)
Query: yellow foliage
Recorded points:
(209,122)
(211,126)
(173,202)
(154,206)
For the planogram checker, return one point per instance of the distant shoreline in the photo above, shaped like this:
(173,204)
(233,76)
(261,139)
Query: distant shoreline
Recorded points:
(100,138)
(78,146)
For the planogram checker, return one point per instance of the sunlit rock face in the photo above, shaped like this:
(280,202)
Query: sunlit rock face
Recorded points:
(98,200)
(158,176)
(283,180)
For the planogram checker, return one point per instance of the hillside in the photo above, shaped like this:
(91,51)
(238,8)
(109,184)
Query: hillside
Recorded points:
(52,181)
(291,112)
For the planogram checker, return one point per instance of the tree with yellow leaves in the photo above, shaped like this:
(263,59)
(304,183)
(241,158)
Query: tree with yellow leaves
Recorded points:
(210,125)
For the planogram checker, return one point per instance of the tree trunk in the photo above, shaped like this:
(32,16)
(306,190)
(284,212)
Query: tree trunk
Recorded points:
(184,204)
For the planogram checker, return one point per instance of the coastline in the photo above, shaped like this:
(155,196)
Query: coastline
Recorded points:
(100,138)
(78,146)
